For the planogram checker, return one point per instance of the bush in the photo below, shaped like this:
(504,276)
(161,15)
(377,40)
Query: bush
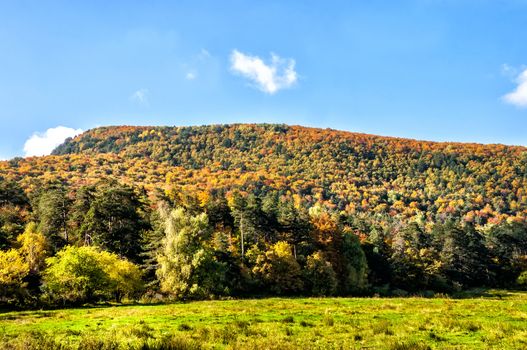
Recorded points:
(81,274)
(522,279)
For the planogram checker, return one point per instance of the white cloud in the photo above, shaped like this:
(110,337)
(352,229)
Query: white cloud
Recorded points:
(278,74)
(190,76)
(40,144)
(140,96)
(518,97)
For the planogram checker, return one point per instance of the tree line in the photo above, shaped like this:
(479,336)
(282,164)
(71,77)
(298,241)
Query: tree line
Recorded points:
(63,245)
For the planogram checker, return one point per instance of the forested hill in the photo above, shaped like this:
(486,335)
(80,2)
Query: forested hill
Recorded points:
(199,212)
(347,171)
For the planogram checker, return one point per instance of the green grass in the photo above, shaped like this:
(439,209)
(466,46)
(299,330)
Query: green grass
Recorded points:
(495,321)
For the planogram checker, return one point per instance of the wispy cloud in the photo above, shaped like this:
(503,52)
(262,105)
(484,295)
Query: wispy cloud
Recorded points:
(508,70)
(203,55)
(270,78)
(40,144)
(195,65)
(518,97)
(140,96)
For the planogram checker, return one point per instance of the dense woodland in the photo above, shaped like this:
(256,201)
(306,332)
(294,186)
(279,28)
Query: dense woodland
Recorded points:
(245,210)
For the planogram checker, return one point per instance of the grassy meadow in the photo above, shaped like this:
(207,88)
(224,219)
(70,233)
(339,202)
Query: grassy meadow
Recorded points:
(497,320)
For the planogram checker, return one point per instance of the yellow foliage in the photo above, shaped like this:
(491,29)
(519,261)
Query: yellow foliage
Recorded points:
(13,268)
(33,247)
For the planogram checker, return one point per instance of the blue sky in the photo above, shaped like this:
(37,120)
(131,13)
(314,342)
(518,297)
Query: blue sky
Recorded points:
(426,69)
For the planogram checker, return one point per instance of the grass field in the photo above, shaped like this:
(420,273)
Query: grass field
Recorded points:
(495,321)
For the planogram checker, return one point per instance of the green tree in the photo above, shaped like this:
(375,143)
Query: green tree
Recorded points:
(414,262)
(464,257)
(320,278)
(219,213)
(251,221)
(187,268)
(84,196)
(52,212)
(152,241)
(294,227)
(14,206)
(12,193)
(355,279)
(115,220)
(378,253)
(507,243)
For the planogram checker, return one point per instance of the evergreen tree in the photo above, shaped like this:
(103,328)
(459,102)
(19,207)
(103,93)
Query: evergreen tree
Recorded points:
(294,227)
(378,253)
(52,213)
(413,260)
(507,243)
(464,258)
(14,206)
(219,212)
(84,196)
(114,220)
(249,220)
(355,278)
(12,193)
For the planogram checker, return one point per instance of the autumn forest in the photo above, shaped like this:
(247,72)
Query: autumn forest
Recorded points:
(126,212)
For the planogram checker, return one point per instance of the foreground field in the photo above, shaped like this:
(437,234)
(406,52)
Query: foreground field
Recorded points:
(495,321)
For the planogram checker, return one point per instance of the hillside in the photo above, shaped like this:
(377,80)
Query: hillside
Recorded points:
(232,210)
(347,171)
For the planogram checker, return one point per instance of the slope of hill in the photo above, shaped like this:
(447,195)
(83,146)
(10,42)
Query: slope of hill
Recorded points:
(347,171)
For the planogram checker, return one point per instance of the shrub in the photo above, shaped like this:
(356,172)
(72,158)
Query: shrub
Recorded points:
(81,274)
(522,279)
